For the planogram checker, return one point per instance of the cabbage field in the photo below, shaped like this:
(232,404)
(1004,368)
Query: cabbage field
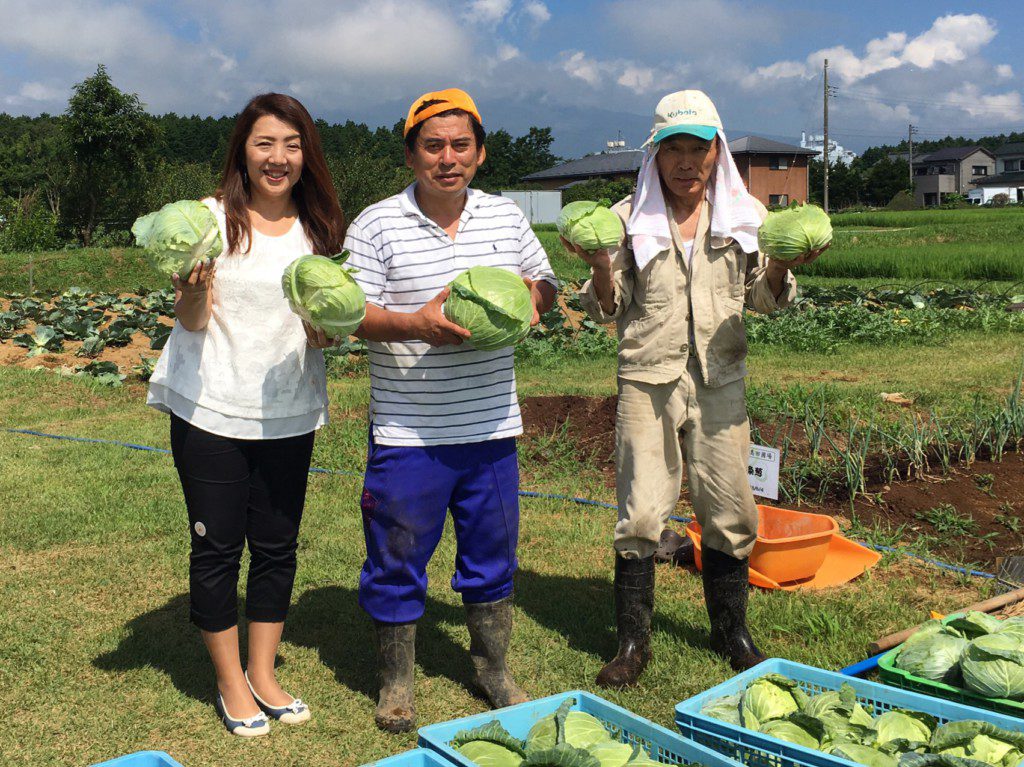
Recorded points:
(895,399)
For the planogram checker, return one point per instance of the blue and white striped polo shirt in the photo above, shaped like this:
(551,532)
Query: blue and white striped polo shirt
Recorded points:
(421,395)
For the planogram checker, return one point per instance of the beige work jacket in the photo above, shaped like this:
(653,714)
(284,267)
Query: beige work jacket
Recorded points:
(656,308)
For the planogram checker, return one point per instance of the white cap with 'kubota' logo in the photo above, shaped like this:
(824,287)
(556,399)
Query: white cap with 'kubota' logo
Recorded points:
(685,112)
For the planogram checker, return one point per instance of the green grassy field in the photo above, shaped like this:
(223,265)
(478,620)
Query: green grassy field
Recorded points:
(97,657)
(967,247)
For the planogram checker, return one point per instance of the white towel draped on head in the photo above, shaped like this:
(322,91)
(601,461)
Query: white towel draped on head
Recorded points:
(734,212)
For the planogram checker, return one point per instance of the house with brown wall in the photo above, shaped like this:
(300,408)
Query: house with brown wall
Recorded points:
(774,172)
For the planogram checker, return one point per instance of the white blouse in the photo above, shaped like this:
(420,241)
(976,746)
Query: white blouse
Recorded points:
(249,374)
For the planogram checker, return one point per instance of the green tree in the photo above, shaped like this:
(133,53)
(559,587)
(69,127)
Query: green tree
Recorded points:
(113,144)
(845,184)
(362,180)
(173,181)
(599,189)
(33,159)
(509,159)
(884,179)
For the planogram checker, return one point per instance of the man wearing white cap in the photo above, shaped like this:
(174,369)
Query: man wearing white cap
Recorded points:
(676,288)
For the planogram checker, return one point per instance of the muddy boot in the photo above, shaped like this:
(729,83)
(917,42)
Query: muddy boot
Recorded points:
(634,603)
(490,628)
(725,592)
(396,655)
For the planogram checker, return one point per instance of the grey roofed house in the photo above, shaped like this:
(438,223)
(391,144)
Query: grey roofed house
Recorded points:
(951,153)
(1012,178)
(1015,148)
(758,145)
(605,164)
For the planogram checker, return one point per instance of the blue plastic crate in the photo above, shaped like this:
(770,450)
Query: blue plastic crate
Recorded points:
(662,744)
(754,748)
(418,757)
(141,759)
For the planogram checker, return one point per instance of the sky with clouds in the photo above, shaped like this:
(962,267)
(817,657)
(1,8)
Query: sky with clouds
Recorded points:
(587,69)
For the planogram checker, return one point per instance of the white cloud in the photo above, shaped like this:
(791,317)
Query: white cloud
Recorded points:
(951,39)
(488,12)
(508,52)
(1004,71)
(581,67)
(33,93)
(41,92)
(988,108)
(227,63)
(537,12)
(636,78)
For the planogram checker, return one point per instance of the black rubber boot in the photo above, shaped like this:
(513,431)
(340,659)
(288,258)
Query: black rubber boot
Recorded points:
(634,604)
(490,629)
(725,592)
(396,657)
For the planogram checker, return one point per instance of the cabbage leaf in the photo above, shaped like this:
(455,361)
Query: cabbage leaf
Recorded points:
(590,225)
(493,304)
(322,292)
(993,665)
(178,236)
(790,233)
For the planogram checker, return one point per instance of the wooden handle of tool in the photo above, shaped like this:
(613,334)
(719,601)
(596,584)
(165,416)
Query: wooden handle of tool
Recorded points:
(989,605)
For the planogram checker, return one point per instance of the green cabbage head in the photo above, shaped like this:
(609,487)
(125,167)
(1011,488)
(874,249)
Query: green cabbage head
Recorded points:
(611,753)
(803,730)
(493,304)
(726,708)
(933,652)
(1014,625)
(581,730)
(866,755)
(980,741)
(789,233)
(487,754)
(590,225)
(993,665)
(323,293)
(974,624)
(911,729)
(773,696)
(178,236)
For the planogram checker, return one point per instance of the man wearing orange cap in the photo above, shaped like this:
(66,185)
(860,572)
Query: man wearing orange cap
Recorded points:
(676,288)
(443,415)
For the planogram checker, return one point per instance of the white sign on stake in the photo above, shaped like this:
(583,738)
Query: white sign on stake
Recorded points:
(763,471)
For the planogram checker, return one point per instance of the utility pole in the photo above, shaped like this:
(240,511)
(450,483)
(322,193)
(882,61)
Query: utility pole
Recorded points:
(911,130)
(825,153)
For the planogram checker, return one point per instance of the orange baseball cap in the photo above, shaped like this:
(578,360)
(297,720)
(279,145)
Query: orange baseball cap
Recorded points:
(452,98)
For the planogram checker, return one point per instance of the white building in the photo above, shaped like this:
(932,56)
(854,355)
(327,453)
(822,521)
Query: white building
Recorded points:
(1008,178)
(836,152)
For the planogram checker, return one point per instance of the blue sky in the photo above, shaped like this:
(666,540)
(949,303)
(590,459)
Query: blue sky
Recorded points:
(587,69)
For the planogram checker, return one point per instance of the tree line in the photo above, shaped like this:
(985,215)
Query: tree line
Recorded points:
(82,177)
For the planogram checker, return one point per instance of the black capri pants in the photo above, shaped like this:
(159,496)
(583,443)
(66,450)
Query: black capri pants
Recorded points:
(238,491)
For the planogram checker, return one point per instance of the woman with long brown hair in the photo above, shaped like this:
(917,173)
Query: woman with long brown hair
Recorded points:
(244,383)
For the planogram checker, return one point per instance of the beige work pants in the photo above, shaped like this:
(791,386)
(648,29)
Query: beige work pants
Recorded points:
(649,462)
